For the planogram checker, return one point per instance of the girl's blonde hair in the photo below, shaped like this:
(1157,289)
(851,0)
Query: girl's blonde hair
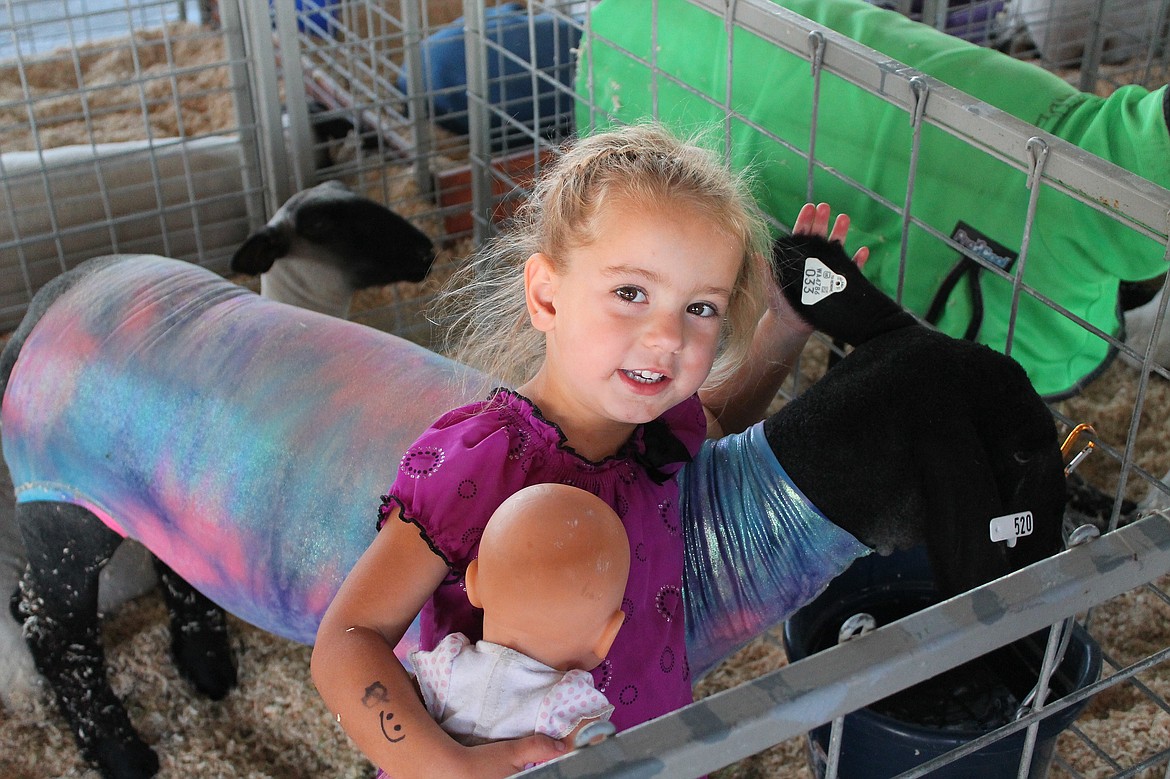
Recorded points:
(482,308)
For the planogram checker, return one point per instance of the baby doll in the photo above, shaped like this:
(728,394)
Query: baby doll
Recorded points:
(550,577)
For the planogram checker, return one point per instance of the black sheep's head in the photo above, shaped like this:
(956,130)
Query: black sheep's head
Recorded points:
(368,242)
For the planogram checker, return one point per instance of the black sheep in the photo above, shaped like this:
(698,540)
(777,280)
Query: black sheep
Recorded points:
(913,438)
(921,437)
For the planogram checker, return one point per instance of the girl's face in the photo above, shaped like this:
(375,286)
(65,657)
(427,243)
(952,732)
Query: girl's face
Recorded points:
(632,321)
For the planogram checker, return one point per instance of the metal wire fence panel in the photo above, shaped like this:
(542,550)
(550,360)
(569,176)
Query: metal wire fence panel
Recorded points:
(1098,46)
(124,127)
(387,100)
(926,141)
(1105,45)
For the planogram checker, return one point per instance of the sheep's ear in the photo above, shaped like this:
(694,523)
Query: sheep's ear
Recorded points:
(257,254)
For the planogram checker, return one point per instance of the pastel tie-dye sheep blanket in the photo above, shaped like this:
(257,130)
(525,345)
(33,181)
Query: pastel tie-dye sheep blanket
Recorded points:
(245,442)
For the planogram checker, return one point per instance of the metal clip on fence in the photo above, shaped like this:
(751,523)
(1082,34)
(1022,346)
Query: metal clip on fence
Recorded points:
(857,625)
(920,92)
(1082,431)
(1037,151)
(816,45)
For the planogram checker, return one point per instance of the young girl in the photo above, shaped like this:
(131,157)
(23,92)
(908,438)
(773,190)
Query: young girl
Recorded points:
(625,307)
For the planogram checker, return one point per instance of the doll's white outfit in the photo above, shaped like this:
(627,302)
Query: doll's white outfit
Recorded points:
(486,692)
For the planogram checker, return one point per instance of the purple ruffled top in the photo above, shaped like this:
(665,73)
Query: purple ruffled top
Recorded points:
(455,475)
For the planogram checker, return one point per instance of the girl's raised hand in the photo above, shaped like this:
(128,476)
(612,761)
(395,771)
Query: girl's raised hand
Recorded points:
(780,338)
(814,220)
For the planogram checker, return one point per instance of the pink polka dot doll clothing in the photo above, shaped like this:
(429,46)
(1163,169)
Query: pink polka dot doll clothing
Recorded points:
(456,474)
(486,692)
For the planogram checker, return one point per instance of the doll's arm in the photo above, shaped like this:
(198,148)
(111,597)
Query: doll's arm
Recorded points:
(367,688)
(576,709)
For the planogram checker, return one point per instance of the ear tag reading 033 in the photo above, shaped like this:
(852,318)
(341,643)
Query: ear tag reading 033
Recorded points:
(819,282)
(1011,526)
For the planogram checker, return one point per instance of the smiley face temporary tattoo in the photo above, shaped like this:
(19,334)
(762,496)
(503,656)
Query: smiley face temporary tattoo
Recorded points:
(376,696)
(385,717)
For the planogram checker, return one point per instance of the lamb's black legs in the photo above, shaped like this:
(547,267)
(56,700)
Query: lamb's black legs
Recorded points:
(199,636)
(67,547)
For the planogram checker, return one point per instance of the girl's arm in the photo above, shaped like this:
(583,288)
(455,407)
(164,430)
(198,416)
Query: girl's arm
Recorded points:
(366,687)
(780,337)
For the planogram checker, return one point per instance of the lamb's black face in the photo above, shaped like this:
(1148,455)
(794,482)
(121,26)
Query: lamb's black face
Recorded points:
(398,251)
(416,252)
(374,245)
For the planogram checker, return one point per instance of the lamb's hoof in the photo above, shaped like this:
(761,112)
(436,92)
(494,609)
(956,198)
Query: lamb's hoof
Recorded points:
(119,759)
(205,660)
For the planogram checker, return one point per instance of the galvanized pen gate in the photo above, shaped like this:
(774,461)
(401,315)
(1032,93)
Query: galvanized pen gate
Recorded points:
(211,113)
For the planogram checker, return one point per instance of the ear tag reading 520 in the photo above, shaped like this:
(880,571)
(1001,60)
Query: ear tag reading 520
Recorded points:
(1011,526)
(819,282)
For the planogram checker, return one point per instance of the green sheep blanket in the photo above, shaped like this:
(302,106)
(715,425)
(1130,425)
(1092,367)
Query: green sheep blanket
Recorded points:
(1077,256)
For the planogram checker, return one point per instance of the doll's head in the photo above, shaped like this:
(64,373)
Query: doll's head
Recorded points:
(550,576)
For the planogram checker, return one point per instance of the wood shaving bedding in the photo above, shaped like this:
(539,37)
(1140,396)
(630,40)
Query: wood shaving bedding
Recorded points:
(97,95)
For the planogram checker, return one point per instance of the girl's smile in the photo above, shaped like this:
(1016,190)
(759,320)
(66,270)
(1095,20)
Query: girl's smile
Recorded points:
(632,321)
(645,383)
(645,377)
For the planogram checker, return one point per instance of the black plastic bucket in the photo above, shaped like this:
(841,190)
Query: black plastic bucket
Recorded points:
(931,718)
